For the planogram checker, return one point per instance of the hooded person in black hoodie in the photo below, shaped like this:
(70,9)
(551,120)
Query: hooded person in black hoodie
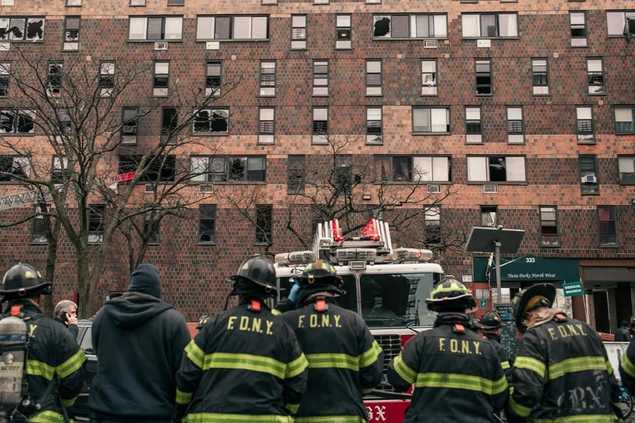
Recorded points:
(139,341)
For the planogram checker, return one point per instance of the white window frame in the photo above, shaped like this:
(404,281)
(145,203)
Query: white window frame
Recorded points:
(478,169)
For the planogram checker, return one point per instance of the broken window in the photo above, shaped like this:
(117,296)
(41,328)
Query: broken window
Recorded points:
(169,124)
(577,24)
(14,168)
(621,23)
(584,125)
(5,72)
(411,26)
(344,32)
(595,77)
(373,77)
(39,230)
(428,77)
(264,224)
(430,119)
(540,78)
(267,78)
(483,77)
(295,174)
(161,79)
(489,216)
(106,78)
(496,169)
(152,226)
(229,168)
(298,32)
(71,33)
(320,78)
(266,125)
(515,125)
(489,25)
(607,225)
(342,177)
(214,78)
(156,168)
(207,223)
(624,123)
(240,27)
(60,172)
(130,122)
(64,126)
(473,128)
(211,121)
(16,121)
(374,125)
(96,214)
(155,28)
(55,78)
(432,220)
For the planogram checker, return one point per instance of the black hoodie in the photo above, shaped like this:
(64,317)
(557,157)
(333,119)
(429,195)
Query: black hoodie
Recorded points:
(139,341)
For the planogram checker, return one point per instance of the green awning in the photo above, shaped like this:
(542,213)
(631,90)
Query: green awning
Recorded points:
(530,269)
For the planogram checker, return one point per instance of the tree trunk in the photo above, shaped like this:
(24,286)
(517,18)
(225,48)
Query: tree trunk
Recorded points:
(84,284)
(52,236)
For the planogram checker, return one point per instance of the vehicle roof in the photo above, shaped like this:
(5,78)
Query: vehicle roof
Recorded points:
(371,269)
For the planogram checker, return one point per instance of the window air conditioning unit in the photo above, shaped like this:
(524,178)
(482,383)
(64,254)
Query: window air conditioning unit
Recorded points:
(589,179)
(160,45)
(150,187)
(430,43)
(434,189)
(5,46)
(490,188)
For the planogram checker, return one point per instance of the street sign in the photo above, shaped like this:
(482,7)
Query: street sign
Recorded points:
(572,289)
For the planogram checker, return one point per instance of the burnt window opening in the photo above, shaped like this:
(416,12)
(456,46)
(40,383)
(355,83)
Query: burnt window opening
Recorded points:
(483,77)
(21,29)
(169,124)
(264,223)
(214,78)
(55,78)
(5,75)
(14,168)
(157,168)
(207,223)
(211,121)
(16,121)
(96,218)
(296,173)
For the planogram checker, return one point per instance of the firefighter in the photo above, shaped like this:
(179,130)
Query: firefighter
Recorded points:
(344,359)
(491,329)
(561,371)
(627,367)
(55,363)
(245,365)
(457,374)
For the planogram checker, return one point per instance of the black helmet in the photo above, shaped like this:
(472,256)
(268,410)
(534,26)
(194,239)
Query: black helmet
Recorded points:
(22,280)
(491,321)
(321,276)
(256,272)
(450,295)
(539,295)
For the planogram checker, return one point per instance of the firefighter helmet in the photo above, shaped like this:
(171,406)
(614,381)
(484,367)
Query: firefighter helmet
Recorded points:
(22,280)
(450,295)
(539,295)
(321,275)
(491,321)
(256,272)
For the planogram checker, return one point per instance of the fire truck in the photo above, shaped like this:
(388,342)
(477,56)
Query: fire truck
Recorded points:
(387,286)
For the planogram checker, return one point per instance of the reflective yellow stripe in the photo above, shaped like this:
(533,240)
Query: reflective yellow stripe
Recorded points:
(460,381)
(519,409)
(609,367)
(47,417)
(195,354)
(403,370)
(530,363)
(183,397)
(242,418)
(330,419)
(589,418)
(69,402)
(276,312)
(370,356)
(505,365)
(293,408)
(296,367)
(578,364)
(70,366)
(627,366)
(329,361)
(256,363)
(38,368)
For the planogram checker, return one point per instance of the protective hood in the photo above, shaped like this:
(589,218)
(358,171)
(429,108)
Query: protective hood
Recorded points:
(133,309)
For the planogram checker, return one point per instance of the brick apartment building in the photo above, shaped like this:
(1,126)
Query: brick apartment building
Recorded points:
(523,109)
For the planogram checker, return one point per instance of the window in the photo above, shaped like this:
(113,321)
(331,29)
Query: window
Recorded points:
(577,23)
(584,125)
(607,226)
(412,168)
(344,33)
(13,168)
(228,168)
(374,125)
(410,26)
(489,216)
(267,78)
(130,122)
(106,78)
(295,174)
(61,171)
(214,78)
(626,165)
(320,78)
(156,169)
(432,219)
(71,33)
(176,2)
(264,218)
(624,123)
(211,121)
(269,2)
(373,78)
(39,230)
(489,25)
(73,2)
(16,121)
(152,226)
(430,119)
(207,223)
(621,23)
(515,125)
(155,28)
(483,77)
(549,226)
(169,124)
(54,79)
(343,173)
(161,79)
(298,32)
(21,28)
(320,125)
(96,214)
(64,126)
(321,1)
(137,2)
(428,77)
(595,76)
(239,27)
(7,2)
(266,125)
(588,174)
(496,169)
(5,74)
(473,128)
(539,77)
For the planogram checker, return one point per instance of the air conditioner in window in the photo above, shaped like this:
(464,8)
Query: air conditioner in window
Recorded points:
(5,46)
(374,139)
(432,43)
(589,179)
(160,45)
(206,188)
(150,188)
(490,188)
(434,188)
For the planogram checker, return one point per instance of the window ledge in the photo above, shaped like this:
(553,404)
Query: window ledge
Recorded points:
(431,133)
(209,134)
(490,38)
(484,95)
(39,244)
(616,133)
(206,244)
(260,40)
(519,183)
(16,135)
(412,183)
(409,38)
(263,244)
(154,41)
(611,245)
(195,183)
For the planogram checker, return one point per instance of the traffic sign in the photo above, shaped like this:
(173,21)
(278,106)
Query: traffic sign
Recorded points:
(572,289)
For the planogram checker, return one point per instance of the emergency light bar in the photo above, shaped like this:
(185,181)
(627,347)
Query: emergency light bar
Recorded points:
(294,258)
(413,254)
(345,255)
